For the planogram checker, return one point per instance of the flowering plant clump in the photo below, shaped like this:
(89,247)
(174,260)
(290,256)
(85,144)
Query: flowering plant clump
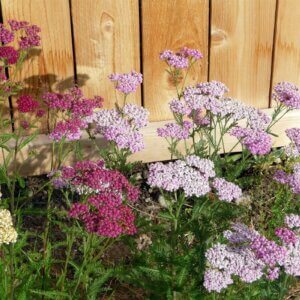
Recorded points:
(104,211)
(251,256)
(160,230)
(74,107)
(120,126)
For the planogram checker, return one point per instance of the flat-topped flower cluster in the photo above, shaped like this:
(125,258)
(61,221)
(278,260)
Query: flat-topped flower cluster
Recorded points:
(251,256)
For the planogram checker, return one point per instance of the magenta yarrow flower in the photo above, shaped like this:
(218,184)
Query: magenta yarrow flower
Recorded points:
(76,109)
(292,180)
(26,104)
(106,212)
(127,83)
(9,54)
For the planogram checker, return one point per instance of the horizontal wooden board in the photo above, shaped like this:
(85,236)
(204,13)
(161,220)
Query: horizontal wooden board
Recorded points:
(156,148)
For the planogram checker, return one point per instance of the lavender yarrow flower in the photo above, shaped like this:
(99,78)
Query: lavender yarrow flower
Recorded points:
(175,131)
(178,175)
(281,176)
(288,94)
(205,166)
(294,135)
(182,58)
(179,107)
(226,191)
(258,142)
(292,260)
(215,281)
(127,83)
(136,114)
(240,233)
(175,60)
(121,126)
(292,221)
(273,273)
(191,53)
(125,137)
(213,88)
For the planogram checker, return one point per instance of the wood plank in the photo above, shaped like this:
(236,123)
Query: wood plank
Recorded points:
(171,24)
(106,35)
(241,47)
(52,69)
(287,43)
(156,147)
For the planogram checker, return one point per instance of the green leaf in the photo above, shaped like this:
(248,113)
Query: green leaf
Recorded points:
(51,294)
(27,140)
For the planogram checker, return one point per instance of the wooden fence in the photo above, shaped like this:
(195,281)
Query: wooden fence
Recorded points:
(250,45)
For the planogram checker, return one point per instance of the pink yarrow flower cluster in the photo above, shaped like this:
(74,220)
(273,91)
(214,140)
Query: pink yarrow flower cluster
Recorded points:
(122,126)
(27,37)
(127,83)
(26,104)
(290,179)
(175,131)
(293,149)
(288,94)
(194,176)
(76,108)
(250,256)
(258,142)
(181,59)
(105,213)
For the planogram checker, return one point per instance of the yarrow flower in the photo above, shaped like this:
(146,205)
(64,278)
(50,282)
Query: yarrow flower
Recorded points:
(288,94)
(250,256)
(193,176)
(175,131)
(121,126)
(226,191)
(76,109)
(106,212)
(293,149)
(181,59)
(292,180)
(127,83)
(258,142)
(8,234)
(26,104)
(292,221)
(9,54)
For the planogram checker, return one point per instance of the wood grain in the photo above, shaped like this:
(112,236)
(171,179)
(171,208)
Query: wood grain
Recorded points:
(241,47)
(52,69)
(106,35)
(171,24)
(287,43)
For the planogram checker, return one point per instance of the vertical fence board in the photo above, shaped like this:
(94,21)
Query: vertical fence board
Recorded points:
(241,47)
(53,68)
(287,43)
(171,24)
(106,37)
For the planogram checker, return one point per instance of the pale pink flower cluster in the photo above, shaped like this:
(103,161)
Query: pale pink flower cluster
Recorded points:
(250,256)
(121,126)
(194,176)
